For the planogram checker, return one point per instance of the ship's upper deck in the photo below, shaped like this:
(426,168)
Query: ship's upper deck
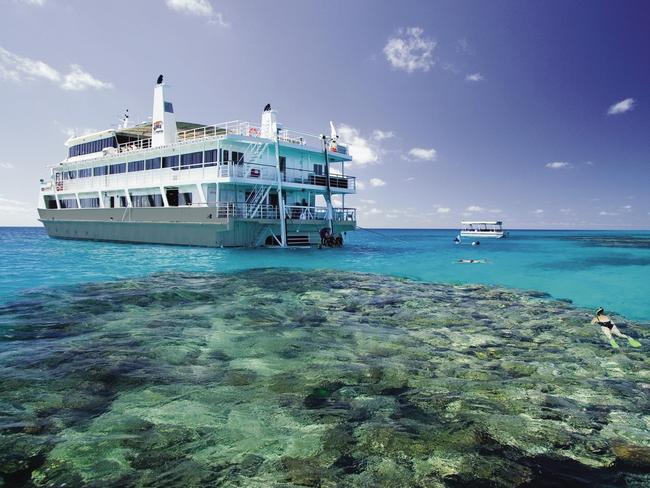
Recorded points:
(137,139)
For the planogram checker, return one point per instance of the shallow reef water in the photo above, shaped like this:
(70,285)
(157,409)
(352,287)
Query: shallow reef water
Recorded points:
(284,378)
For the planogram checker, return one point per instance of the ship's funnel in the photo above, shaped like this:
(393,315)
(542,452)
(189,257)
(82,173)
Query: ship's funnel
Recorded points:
(269,122)
(163,127)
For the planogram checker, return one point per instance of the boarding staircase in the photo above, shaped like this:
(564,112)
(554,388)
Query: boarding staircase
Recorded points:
(298,240)
(253,153)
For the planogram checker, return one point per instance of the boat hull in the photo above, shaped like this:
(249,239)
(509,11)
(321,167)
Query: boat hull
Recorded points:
(483,234)
(178,226)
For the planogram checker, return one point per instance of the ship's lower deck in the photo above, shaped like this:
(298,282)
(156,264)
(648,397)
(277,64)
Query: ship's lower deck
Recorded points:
(199,226)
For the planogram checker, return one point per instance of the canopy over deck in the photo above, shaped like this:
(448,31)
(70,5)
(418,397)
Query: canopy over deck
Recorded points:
(481,222)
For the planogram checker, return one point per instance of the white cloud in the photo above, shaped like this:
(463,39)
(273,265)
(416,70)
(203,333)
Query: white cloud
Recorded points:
(409,51)
(201,8)
(77,132)
(17,69)
(9,205)
(361,150)
(6,166)
(38,3)
(474,77)
(374,211)
(478,209)
(602,212)
(360,185)
(627,208)
(566,211)
(410,178)
(558,165)
(192,7)
(621,107)
(538,211)
(443,210)
(380,135)
(422,154)
(368,201)
(376,182)
(78,80)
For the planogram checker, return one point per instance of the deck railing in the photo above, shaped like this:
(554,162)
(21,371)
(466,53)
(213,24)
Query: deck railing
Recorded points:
(234,127)
(252,173)
(293,212)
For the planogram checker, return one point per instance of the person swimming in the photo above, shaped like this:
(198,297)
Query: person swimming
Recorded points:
(471,261)
(609,329)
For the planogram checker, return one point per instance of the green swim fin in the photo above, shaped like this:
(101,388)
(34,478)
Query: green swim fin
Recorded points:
(614,343)
(633,342)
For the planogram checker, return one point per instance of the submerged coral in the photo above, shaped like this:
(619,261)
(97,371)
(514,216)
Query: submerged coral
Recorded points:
(320,378)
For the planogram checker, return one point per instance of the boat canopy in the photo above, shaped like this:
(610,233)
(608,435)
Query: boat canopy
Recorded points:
(467,222)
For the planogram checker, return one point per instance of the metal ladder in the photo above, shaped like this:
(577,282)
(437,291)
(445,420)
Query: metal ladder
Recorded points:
(256,199)
(254,151)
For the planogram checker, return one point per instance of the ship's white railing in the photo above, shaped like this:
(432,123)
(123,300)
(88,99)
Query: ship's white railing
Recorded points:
(200,173)
(299,212)
(293,212)
(238,128)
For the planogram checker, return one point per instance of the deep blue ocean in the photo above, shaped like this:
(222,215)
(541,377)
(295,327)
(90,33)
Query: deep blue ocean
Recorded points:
(590,268)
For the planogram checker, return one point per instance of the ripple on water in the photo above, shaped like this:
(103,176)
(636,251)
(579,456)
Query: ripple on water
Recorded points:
(320,378)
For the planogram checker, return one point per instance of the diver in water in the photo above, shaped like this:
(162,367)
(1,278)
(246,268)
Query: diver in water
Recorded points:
(609,329)
(324,233)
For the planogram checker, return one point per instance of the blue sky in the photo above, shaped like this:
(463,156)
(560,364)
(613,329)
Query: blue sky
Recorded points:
(537,113)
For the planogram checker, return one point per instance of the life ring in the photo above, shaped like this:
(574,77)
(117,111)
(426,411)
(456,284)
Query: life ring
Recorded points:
(253,132)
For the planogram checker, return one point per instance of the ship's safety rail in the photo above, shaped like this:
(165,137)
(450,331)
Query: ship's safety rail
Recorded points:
(294,212)
(254,173)
(289,175)
(238,128)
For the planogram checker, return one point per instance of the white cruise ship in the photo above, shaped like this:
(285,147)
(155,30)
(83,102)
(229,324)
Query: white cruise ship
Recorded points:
(228,184)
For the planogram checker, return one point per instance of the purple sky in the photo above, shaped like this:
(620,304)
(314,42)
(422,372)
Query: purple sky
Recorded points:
(537,113)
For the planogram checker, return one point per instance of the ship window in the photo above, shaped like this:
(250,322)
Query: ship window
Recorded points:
(124,202)
(69,175)
(68,202)
(152,200)
(191,160)
(318,169)
(152,163)
(117,168)
(92,146)
(185,198)
(136,166)
(226,155)
(92,202)
(50,201)
(170,162)
(100,171)
(169,107)
(283,163)
(211,157)
(237,157)
(85,173)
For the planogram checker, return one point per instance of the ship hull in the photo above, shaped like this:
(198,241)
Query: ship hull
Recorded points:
(178,226)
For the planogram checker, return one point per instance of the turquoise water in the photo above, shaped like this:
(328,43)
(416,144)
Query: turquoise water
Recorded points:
(139,365)
(590,268)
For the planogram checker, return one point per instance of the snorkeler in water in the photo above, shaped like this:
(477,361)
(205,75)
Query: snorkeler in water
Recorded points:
(609,329)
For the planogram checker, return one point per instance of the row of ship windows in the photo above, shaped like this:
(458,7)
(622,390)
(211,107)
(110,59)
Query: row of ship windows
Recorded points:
(190,160)
(142,201)
(92,147)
